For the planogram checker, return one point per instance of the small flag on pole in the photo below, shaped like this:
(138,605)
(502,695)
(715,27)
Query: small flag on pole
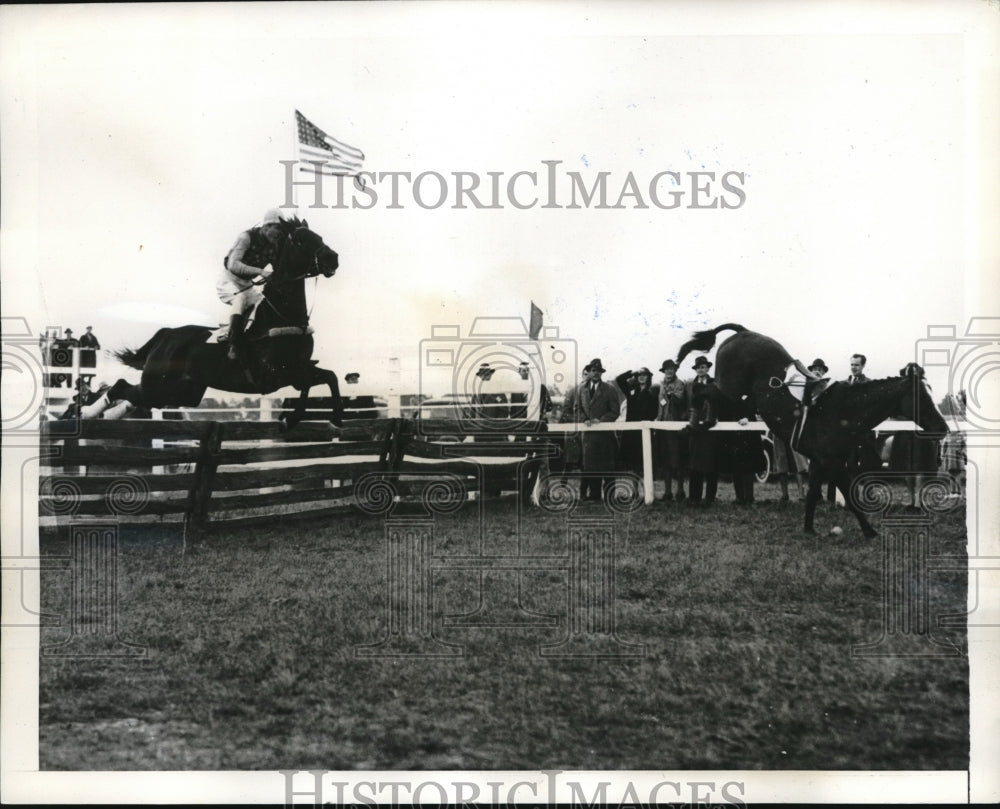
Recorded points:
(535,327)
(321,154)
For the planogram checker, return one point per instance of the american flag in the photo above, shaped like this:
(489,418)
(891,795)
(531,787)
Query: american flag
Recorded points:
(315,145)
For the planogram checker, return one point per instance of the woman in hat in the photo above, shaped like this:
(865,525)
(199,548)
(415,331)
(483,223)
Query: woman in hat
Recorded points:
(640,405)
(672,448)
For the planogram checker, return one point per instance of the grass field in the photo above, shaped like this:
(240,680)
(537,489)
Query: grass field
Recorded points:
(747,625)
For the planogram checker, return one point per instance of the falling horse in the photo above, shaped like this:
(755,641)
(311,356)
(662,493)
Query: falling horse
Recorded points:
(754,365)
(179,364)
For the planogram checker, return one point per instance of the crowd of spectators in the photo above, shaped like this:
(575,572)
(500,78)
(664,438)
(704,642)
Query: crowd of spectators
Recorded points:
(690,460)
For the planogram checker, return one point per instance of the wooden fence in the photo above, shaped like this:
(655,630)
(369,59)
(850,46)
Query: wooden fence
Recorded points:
(233,473)
(240,472)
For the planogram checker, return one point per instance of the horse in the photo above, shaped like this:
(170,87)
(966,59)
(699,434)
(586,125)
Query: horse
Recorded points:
(754,365)
(179,364)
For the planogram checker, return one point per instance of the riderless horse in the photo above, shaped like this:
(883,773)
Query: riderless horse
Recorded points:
(179,364)
(754,365)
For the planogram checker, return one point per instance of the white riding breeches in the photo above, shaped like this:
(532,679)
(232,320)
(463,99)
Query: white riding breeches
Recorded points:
(238,293)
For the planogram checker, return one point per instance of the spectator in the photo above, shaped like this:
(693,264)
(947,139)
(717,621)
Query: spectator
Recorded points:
(858,363)
(703,397)
(599,403)
(865,456)
(740,453)
(786,465)
(672,447)
(524,405)
(640,405)
(62,357)
(83,401)
(89,346)
(572,456)
(913,454)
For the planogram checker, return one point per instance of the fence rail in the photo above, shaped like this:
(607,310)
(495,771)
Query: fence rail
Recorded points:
(211,472)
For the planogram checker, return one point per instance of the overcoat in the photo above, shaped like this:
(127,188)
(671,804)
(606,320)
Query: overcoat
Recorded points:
(599,448)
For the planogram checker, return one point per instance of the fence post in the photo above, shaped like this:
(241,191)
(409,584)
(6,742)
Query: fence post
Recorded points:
(397,446)
(647,464)
(204,475)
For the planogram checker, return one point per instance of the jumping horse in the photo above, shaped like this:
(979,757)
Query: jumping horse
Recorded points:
(754,365)
(179,364)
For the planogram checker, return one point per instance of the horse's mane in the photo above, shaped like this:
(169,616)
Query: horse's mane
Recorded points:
(292,223)
(860,395)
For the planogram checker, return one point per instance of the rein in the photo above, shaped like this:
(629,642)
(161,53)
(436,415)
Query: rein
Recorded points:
(774,382)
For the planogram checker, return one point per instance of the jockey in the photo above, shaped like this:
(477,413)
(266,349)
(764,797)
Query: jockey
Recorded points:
(252,255)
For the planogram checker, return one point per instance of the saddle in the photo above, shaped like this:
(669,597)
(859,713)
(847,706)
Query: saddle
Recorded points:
(221,334)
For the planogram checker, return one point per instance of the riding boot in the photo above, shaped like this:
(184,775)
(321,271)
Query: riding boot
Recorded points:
(236,344)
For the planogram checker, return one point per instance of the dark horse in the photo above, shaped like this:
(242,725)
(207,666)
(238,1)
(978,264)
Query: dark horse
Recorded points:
(754,365)
(178,365)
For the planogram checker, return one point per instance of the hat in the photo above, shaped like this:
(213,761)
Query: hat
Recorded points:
(818,363)
(912,369)
(595,365)
(668,364)
(484,368)
(69,331)
(702,362)
(353,375)
(272,217)
(643,370)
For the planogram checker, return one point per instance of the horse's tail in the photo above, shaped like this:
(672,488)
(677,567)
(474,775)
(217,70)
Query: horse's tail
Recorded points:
(136,358)
(704,340)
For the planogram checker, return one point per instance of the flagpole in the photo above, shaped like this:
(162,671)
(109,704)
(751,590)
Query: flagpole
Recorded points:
(295,170)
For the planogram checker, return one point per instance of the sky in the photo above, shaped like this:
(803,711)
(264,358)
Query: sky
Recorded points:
(140,141)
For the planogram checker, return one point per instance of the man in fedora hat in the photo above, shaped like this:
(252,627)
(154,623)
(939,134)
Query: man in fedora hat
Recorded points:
(819,371)
(673,405)
(703,397)
(62,357)
(89,347)
(640,405)
(572,455)
(598,403)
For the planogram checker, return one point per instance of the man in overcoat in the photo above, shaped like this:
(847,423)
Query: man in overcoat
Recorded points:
(598,402)
(703,396)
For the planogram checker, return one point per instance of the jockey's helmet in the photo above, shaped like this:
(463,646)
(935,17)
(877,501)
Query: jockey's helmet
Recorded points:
(272,217)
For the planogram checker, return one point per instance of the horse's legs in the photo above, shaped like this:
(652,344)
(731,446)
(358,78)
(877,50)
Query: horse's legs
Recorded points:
(300,408)
(324,376)
(122,389)
(814,494)
(844,483)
